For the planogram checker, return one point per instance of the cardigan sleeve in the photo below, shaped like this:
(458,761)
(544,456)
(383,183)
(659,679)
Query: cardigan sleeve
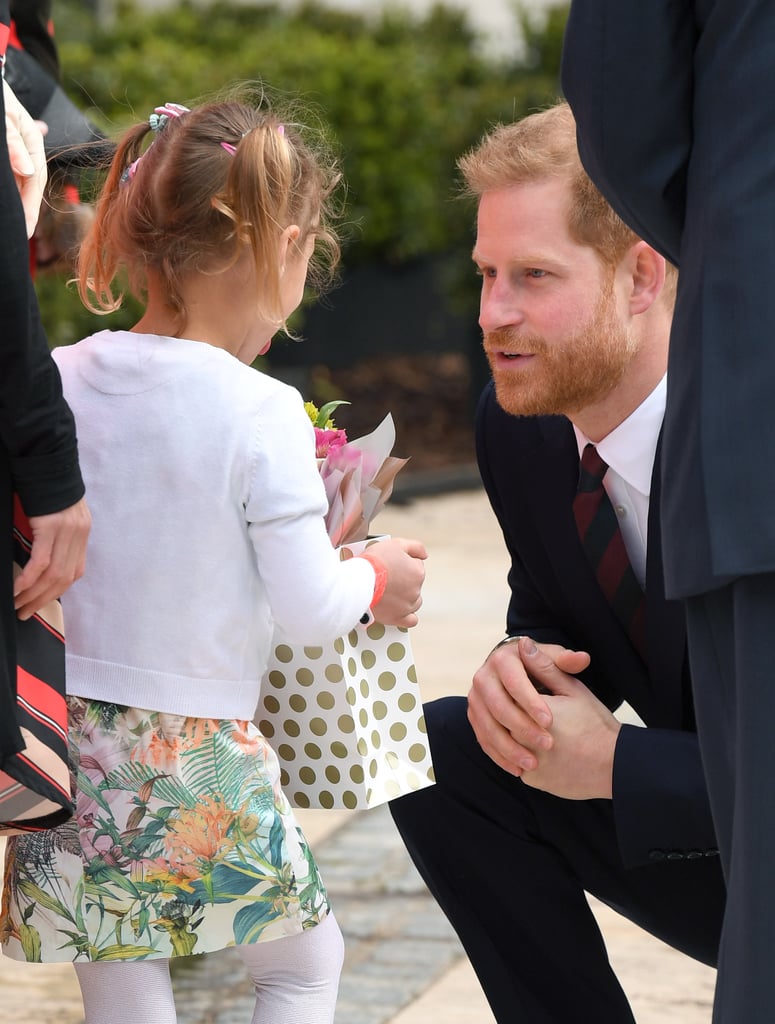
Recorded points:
(313,596)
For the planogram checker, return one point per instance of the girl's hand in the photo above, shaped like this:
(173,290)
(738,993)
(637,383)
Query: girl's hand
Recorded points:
(404,561)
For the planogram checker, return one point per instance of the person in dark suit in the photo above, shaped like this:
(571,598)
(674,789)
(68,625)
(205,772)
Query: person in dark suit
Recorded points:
(38,450)
(542,794)
(675,106)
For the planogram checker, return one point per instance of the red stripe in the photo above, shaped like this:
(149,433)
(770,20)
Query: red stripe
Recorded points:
(35,769)
(612,565)
(585,508)
(21,523)
(13,37)
(50,723)
(36,694)
(19,517)
(47,625)
(4,34)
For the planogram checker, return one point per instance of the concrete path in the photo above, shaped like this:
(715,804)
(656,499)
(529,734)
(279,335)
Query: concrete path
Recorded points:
(404,964)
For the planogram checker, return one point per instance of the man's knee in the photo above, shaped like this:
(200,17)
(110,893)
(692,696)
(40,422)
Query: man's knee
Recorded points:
(467,780)
(449,735)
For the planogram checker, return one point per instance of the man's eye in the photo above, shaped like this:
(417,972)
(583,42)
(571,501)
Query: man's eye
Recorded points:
(534,272)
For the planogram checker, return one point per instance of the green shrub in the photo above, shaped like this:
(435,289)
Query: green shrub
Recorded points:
(404,96)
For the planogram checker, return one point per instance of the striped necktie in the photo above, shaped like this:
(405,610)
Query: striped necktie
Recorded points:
(604,546)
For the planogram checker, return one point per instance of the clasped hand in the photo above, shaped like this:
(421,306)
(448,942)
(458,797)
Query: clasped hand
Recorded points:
(561,741)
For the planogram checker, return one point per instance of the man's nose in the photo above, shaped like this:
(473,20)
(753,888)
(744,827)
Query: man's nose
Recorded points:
(498,308)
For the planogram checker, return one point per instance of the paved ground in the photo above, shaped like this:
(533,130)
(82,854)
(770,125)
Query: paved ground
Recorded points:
(404,965)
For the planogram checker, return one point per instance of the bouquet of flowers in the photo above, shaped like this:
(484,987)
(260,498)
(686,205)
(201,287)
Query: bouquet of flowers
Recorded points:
(357,743)
(358,475)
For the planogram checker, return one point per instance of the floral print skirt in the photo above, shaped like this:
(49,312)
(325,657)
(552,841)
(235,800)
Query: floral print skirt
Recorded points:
(183,842)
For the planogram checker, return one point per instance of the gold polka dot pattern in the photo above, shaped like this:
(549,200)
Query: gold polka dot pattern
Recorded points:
(346,721)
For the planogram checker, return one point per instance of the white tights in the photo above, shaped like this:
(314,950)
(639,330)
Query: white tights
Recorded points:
(296,979)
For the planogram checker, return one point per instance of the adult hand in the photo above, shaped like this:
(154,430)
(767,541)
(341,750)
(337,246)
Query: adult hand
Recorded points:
(579,763)
(511,719)
(27,156)
(405,564)
(57,558)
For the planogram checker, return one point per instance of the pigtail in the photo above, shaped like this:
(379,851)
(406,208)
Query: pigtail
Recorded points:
(100,254)
(267,206)
(277,180)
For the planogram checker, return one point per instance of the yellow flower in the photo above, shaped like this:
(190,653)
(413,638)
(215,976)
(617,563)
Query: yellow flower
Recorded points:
(312,411)
(161,872)
(321,418)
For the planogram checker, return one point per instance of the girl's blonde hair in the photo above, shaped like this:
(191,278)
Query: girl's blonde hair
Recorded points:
(226,175)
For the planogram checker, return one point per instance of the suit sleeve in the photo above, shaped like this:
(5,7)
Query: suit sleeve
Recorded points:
(661,806)
(528,612)
(36,425)
(627,73)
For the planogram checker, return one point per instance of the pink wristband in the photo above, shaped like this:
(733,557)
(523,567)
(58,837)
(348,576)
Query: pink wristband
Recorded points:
(381,576)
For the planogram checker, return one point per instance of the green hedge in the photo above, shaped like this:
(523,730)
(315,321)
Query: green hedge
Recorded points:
(403,95)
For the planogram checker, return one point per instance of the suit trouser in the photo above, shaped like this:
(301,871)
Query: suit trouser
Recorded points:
(731,634)
(509,866)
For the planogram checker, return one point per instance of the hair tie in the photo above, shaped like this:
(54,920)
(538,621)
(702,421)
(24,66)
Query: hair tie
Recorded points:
(157,120)
(161,115)
(129,172)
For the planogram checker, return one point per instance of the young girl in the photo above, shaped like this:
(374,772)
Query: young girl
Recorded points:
(208,533)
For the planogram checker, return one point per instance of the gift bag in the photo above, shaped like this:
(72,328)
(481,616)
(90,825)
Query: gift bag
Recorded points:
(35,787)
(346,720)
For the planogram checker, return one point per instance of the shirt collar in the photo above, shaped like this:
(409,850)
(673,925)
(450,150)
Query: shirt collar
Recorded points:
(631,447)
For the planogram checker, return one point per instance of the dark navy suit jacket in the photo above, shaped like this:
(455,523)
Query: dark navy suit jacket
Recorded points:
(675,106)
(530,467)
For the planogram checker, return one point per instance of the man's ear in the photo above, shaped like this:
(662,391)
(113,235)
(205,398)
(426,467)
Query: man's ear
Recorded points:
(646,276)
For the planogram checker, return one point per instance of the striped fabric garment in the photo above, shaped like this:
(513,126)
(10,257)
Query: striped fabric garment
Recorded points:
(35,789)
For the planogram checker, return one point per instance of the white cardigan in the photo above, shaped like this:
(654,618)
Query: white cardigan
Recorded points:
(208,532)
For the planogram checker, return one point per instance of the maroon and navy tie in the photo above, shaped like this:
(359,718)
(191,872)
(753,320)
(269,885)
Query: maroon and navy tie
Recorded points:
(604,546)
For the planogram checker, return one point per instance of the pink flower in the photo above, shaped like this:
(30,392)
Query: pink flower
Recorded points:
(328,440)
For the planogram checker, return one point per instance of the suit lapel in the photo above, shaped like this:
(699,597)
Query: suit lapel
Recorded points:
(554,463)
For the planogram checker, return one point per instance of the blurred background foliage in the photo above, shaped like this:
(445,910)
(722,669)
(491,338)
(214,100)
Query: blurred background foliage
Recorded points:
(403,96)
